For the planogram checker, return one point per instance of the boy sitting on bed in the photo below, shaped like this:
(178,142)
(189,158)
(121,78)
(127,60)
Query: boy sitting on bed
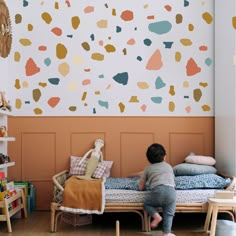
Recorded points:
(160,176)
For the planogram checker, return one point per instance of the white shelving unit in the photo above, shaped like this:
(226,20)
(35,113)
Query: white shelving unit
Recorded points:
(19,197)
(4,140)
(5,112)
(3,167)
(8,213)
(7,139)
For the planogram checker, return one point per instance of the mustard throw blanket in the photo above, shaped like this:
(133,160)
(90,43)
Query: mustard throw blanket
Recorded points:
(83,196)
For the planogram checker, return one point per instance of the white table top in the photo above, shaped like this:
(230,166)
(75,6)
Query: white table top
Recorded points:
(222,200)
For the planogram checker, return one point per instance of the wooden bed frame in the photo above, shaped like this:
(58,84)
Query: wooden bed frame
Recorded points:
(59,181)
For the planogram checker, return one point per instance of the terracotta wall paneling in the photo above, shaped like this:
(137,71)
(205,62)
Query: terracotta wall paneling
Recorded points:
(193,141)
(133,148)
(44,145)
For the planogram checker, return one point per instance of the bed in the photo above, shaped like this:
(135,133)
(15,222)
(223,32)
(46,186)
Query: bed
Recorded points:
(128,199)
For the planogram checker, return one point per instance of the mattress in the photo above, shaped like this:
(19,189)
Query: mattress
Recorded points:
(189,189)
(183,196)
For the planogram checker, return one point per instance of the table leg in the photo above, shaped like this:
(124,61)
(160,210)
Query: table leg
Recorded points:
(208,217)
(213,221)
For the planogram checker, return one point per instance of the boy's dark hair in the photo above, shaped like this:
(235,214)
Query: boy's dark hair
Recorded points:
(155,153)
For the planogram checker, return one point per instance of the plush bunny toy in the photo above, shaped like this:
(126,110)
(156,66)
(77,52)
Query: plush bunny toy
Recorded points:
(93,160)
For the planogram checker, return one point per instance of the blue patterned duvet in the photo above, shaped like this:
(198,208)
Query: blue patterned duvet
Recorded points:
(122,183)
(204,181)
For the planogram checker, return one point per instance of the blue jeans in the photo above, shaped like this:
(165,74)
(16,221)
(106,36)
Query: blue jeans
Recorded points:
(165,197)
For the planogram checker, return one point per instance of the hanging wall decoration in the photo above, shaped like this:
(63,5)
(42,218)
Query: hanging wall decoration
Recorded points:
(5,30)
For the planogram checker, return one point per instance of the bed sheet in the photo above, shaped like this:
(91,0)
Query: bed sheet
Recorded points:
(189,189)
(183,196)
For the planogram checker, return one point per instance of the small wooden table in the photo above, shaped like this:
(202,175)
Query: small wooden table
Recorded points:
(214,205)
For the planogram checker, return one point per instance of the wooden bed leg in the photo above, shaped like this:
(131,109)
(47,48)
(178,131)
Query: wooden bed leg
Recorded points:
(146,222)
(57,215)
(142,218)
(53,211)
(117,228)
(54,216)
(149,224)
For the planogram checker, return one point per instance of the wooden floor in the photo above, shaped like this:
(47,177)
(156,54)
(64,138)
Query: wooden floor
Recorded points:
(38,223)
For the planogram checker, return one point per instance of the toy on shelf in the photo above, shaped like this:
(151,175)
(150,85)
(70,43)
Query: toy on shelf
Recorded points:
(4,104)
(93,160)
(3,131)
(4,159)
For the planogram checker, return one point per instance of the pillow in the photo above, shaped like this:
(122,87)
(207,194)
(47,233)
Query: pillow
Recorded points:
(103,169)
(200,160)
(225,227)
(75,168)
(107,172)
(210,181)
(193,169)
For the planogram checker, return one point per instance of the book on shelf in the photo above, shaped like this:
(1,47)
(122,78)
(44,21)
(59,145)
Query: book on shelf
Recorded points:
(6,195)
(2,175)
(10,186)
(30,194)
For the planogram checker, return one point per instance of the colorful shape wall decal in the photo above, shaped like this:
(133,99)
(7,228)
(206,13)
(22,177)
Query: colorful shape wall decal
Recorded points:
(112,58)
(234,21)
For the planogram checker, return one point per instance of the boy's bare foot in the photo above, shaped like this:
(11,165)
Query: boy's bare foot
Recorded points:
(169,234)
(156,220)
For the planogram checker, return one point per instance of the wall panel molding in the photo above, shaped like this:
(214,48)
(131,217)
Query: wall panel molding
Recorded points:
(38,153)
(194,143)
(44,145)
(133,146)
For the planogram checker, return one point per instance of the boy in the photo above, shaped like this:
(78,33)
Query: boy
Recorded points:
(160,176)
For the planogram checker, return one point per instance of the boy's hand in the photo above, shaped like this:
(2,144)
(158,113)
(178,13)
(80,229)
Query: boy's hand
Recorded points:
(141,184)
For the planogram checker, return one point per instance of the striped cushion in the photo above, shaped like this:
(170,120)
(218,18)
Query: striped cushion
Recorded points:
(102,170)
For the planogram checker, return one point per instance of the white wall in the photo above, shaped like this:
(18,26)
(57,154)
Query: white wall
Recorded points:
(225,87)
(179,93)
(4,77)
(4,82)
